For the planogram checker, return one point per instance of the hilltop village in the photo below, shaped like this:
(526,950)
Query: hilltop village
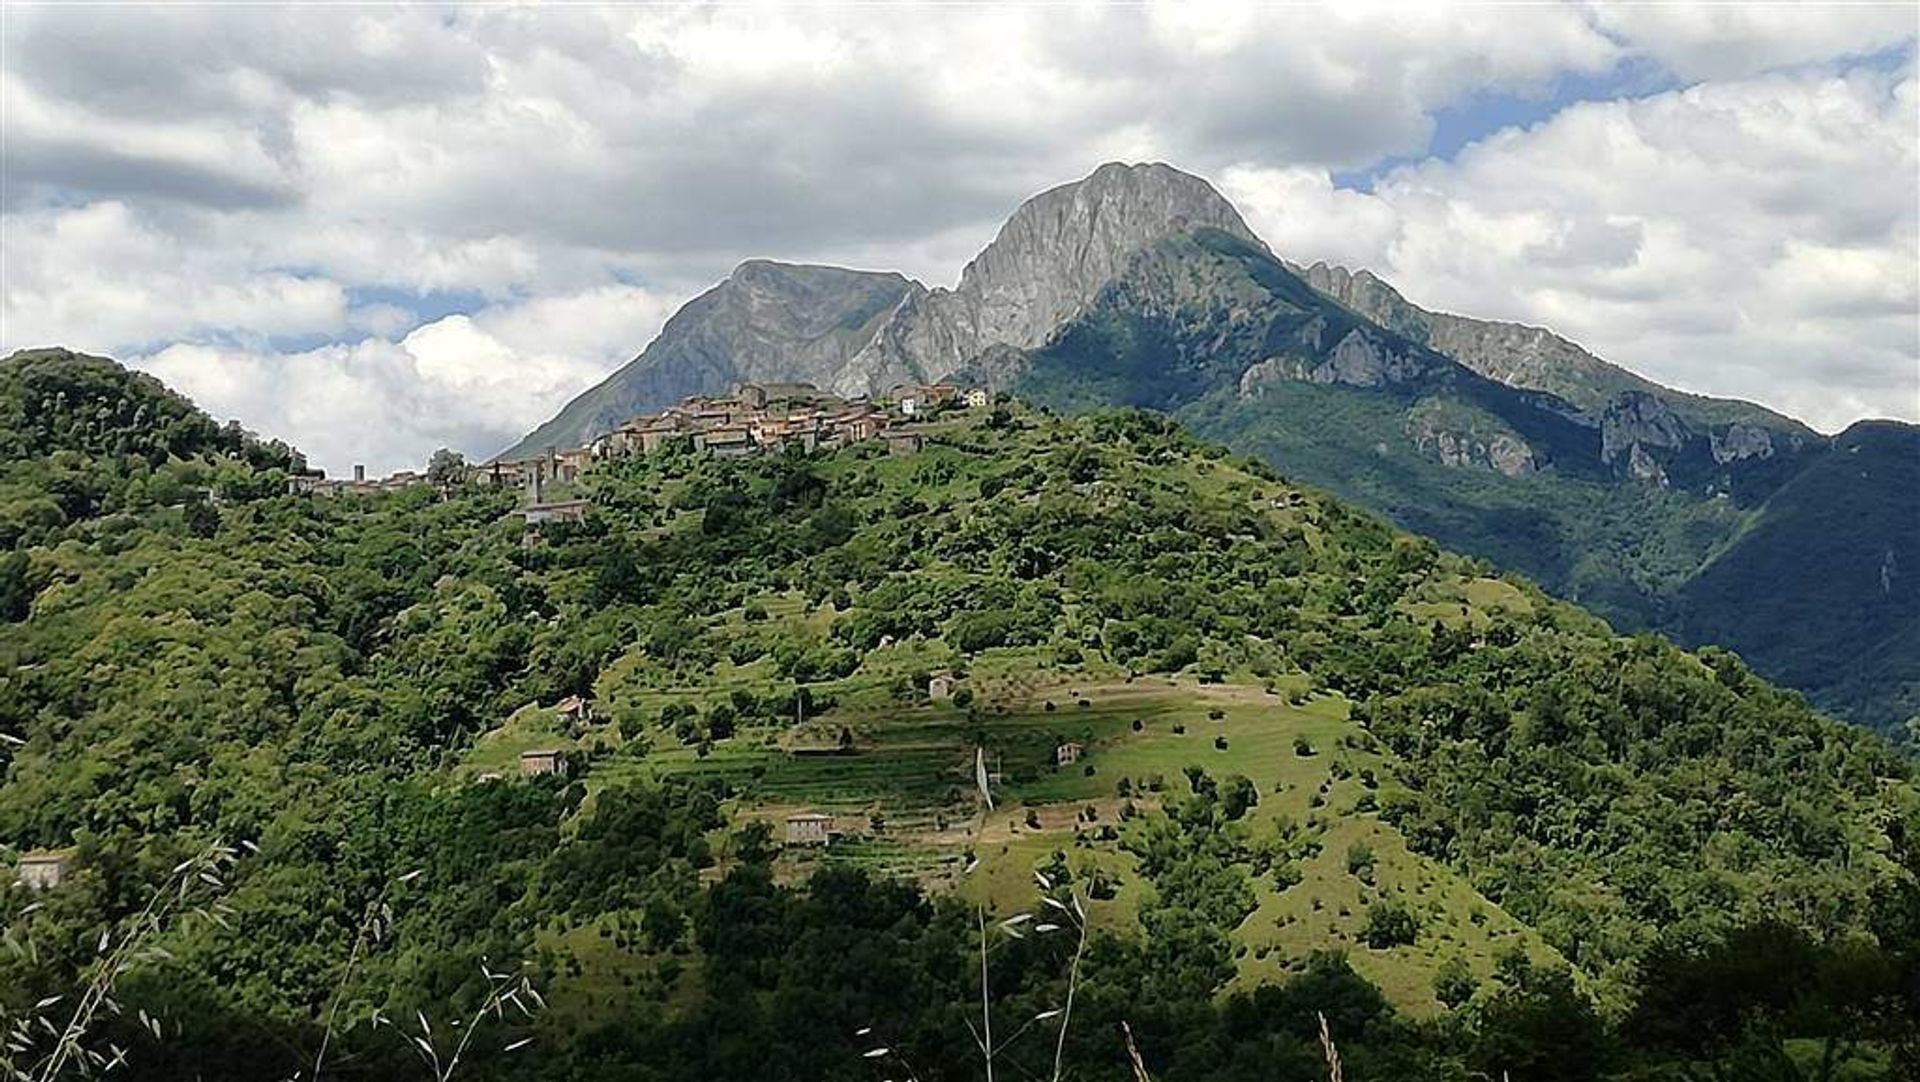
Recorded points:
(755,418)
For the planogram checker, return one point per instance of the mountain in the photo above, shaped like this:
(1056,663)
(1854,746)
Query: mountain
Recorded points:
(858,333)
(1275,764)
(1538,359)
(1823,588)
(1141,285)
(767,322)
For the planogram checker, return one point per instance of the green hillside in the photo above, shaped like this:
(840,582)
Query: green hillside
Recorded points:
(1325,769)
(1679,536)
(1851,633)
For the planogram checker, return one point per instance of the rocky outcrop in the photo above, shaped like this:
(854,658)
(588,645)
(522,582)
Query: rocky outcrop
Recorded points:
(1456,436)
(1738,442)
(1364,359)
(1528,357)
(1636,430)
(1048,263)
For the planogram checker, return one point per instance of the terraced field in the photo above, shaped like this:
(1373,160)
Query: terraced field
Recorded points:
(905,802)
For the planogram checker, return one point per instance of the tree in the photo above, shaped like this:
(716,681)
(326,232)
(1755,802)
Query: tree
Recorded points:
(1390,924)
(446,469)
(1454,983)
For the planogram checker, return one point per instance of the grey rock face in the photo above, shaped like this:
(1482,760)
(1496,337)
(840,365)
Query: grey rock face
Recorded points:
(1741,441)
(1635,420)
(1458,438)
(1361,359)
(1061,246)
(1048,263)
(1633,427)
(857,332)
(768,322)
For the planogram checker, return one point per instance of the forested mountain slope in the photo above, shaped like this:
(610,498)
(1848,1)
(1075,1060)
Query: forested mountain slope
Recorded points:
(1142,285)
(1848,623)
(1322,768)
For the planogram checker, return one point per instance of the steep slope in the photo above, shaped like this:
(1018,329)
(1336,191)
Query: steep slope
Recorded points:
(1230,340)
(769,322)
(1848,633)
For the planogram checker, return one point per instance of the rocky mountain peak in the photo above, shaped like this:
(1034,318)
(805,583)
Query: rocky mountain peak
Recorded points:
(1057,250)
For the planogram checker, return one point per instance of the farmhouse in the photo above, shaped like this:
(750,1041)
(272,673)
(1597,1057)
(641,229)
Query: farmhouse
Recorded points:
(543,761)
(45,870)
(809,828)
(1067,754)
(977,397)
(902,443)
(940,686)
(574,708)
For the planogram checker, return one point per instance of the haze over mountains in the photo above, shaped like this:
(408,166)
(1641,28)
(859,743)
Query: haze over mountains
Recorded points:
(1142,285)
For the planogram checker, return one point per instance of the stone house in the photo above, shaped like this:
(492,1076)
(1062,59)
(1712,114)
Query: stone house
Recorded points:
(1067,754)
(940,687)
(903,443)
(575,709)
(728,442)
(571,462)
(45,870)
(809,828)
(539,761)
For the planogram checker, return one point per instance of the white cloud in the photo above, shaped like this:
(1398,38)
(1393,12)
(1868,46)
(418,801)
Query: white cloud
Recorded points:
(1755,238)
(471,382)
(200,188)
(1725,41)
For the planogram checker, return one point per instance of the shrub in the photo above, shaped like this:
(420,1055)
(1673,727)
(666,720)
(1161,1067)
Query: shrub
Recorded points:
(1360,860)
(1390,924)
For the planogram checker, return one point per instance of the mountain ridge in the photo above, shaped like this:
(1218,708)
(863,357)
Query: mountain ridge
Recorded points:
(1141,285)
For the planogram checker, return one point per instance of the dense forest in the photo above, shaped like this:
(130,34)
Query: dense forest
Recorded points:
(1338,793)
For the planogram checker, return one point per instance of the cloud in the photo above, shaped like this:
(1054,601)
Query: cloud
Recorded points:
(1727,41)
(1755,238)
(471,382)
(301,212)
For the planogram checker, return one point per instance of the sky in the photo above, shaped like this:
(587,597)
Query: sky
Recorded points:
(375,231)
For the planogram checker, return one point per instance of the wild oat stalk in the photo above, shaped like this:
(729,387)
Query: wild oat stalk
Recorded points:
(503,989)
(1133,1056)
(374,923)
(193,889)
(1328,1050)
(1014,927)
(1076,917)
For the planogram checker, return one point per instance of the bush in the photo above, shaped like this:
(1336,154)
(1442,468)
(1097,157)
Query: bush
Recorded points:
(1360,860)
(1455,983)
(1390,924)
